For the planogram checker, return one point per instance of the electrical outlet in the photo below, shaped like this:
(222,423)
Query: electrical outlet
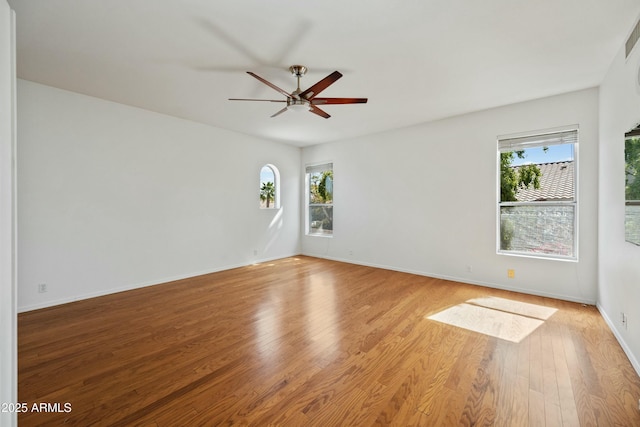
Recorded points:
(42,288)
(470,268)
(511,273)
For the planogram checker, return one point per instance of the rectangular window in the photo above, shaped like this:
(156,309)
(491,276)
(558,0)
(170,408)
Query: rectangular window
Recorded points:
(319,185)
(537,206)
(632,186)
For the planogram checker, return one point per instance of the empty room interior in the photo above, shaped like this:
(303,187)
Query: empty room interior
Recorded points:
(320,213)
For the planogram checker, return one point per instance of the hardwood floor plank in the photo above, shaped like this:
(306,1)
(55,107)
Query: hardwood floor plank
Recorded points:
(552,415)
(580,390)
(507,383)
(536,373)
(549,376)
(463,371)
(435,371)
(520,402)
(306,341)
(536,409)
(565,388)
(482,398)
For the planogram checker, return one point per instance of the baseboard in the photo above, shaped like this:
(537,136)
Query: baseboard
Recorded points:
(619,337)
(457,279)
(52,303)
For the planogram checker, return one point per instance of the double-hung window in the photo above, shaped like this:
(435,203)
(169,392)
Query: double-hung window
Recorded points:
(319,185)
(632,186)
(537,207)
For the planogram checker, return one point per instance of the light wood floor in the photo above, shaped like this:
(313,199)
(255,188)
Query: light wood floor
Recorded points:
(309,342)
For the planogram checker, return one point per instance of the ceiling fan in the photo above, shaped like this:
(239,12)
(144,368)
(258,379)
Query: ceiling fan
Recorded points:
(307,99)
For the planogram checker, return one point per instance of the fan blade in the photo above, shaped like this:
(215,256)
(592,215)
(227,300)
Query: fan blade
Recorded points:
(271,85)
(280,112)
(251,99)
(321,113)
(314,90)
(324,101)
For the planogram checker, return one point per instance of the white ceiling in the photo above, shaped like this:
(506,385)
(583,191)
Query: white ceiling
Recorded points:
(416,60)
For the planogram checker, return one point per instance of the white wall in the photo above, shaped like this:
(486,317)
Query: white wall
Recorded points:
(112,197)
(618,261)
(8,320)
(423,199)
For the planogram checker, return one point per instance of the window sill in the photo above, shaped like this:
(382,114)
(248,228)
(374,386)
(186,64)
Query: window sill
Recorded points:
(320,234)
(549,257)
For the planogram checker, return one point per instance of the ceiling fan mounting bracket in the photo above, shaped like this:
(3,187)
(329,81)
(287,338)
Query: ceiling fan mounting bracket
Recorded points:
(298,70)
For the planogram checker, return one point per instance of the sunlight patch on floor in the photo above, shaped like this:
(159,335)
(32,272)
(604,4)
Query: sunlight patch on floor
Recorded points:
(498,317)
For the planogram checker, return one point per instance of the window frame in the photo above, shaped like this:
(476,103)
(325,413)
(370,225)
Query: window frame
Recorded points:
(309,170)
(574,203)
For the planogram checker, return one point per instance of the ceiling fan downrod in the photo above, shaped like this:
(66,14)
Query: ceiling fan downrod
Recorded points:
(298,71)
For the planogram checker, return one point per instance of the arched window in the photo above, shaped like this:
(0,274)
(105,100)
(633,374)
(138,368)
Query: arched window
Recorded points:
(269,187)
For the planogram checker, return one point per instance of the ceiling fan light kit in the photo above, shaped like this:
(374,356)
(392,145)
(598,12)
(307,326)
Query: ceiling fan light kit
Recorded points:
(298,105)
(306,100)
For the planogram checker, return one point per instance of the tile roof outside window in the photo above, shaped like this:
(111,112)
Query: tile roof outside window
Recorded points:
(556,183)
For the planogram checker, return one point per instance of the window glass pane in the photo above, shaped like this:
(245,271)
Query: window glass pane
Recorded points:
(537,174)
(632,222)
(321,219)
(546,154)
(538,229)
(321,187)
